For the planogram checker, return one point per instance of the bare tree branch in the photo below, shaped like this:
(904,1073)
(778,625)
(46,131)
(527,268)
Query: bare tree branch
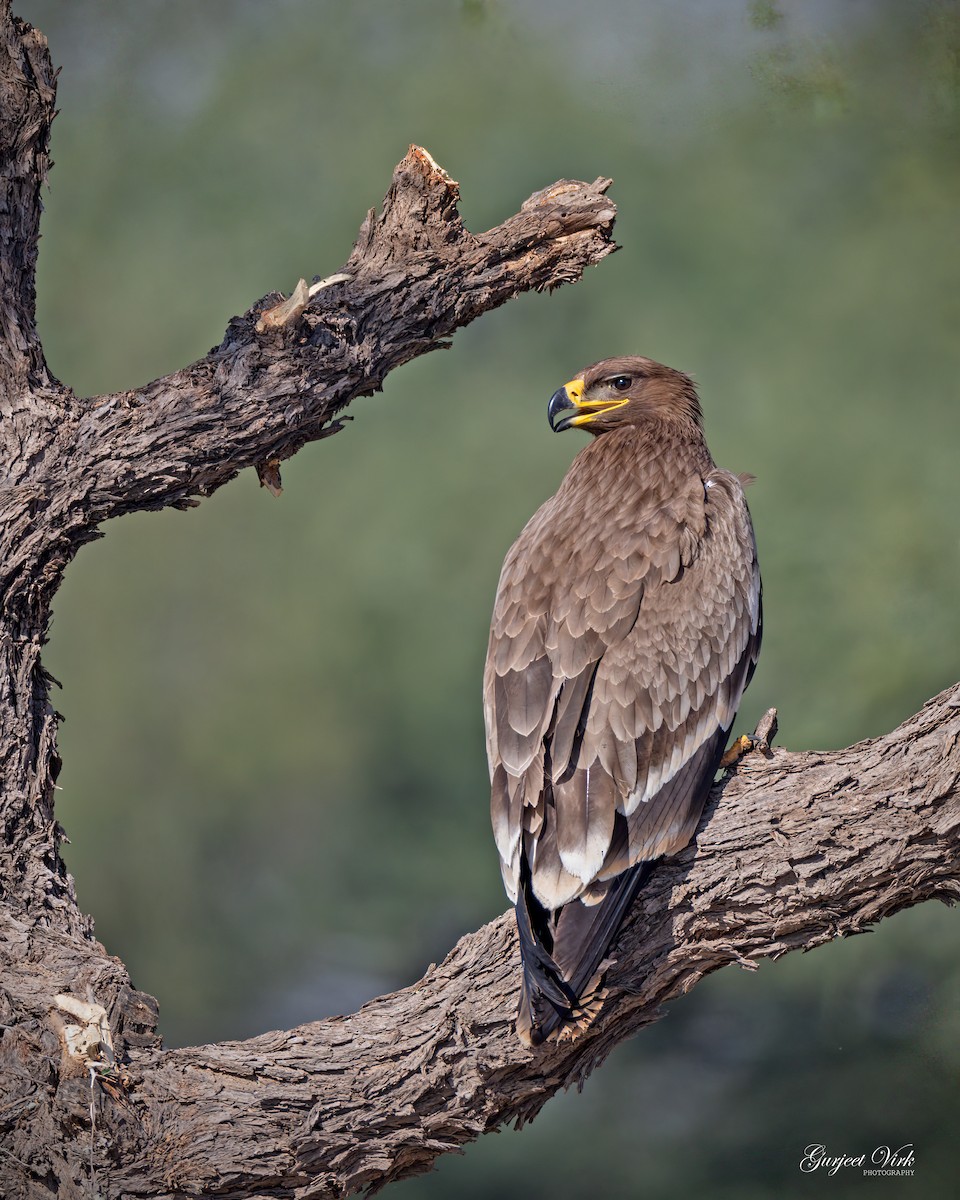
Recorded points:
(415,275)
(795,850)
(28,83)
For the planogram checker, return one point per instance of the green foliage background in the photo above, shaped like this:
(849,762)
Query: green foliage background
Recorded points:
(274,779)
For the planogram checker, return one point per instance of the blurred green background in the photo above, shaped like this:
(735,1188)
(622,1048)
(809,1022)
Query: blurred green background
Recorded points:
(274,780)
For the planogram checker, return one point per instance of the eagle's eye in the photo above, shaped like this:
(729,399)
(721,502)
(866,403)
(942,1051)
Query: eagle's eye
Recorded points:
(621,382)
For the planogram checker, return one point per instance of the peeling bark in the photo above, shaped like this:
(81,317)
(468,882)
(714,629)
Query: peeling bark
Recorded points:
(795,849)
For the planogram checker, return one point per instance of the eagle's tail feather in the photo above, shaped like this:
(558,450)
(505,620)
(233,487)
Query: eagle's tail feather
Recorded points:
(562,970)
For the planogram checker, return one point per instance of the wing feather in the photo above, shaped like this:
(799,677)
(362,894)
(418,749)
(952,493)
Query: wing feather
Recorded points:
(569,722)
(585,805)
(553,885)
(522,704)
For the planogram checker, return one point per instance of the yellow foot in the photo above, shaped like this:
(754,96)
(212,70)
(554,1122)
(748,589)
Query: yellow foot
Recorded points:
(743,745)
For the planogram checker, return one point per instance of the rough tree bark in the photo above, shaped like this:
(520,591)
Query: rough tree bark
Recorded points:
(795,849)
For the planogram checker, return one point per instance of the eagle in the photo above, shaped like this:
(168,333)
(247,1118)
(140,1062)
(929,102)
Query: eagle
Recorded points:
(626,627)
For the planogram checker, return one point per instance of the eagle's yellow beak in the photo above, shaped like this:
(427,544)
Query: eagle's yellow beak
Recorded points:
(567,406)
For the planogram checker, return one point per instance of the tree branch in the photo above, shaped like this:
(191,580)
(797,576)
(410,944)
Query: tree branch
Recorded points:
(415,276)
(795,850)
(28,89)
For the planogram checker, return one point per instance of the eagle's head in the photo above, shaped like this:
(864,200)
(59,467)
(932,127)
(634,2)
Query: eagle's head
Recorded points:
(623,391)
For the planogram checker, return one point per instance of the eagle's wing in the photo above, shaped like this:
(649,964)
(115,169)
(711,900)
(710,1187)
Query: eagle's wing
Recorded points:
(618,655)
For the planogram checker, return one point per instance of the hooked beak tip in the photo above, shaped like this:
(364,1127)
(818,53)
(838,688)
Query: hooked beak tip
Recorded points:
(560,410)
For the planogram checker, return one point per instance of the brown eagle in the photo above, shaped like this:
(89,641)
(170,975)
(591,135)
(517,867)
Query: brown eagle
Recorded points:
(625,630)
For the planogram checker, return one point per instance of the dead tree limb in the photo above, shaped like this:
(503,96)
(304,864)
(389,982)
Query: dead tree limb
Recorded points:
(799,849)
(795,850)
